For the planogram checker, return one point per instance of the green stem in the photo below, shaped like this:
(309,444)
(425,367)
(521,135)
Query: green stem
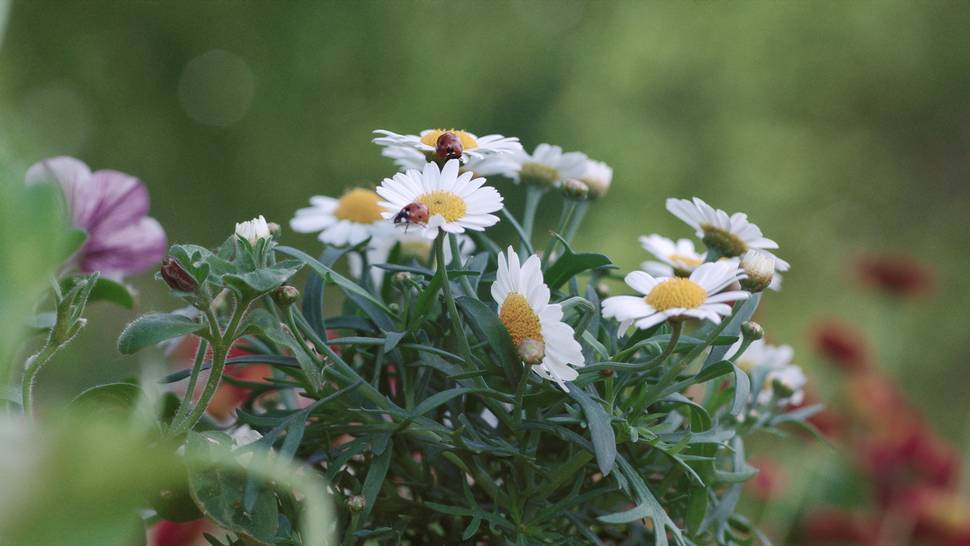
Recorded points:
(579,212)
(520,395)
(533,194)
(526,244)
(459,330)
(676,327)
(34,364)
(220,349)
(660,389)
(456,259)
(193,380)
(568,206)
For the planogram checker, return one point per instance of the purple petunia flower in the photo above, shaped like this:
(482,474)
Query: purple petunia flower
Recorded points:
(112,207)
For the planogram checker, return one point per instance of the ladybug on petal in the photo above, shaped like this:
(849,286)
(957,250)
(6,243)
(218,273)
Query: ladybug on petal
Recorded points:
(412,213)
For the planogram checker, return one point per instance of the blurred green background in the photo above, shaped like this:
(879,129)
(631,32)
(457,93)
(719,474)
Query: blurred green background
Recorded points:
(841,128)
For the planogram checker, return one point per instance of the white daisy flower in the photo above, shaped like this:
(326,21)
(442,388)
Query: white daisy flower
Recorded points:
(785,385)
(533,322)
(678,258)
(733,235)
(412,151)
(598,176)
(698,296)
(455,202)
(548,165)
(761,355)
(500,164)
(253,230)
(349,220)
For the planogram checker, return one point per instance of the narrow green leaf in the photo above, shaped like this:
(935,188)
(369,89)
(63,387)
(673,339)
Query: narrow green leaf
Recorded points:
(571,264)
(375,478)
(440,398)
(600,429)
(487,323)
(328,274)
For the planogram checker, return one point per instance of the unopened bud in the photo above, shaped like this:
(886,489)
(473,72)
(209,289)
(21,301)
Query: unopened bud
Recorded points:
(176,277)
(356,503)
(286,295)
(759,267)
(602,289)
(752,330)
(401,278)
(531,351)
(575,189)
(448,146)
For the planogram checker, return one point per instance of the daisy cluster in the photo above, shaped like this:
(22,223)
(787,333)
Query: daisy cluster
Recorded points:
(475,380)
(441,189)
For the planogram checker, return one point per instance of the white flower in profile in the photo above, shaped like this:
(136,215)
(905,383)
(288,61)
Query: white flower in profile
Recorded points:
(548,165)
(598,176)
(535,325)
(348,220)
(455,202)
(785,385)
(253,230)
(412,151)
(678,258)
(762,356)
(732,235)
(698,296)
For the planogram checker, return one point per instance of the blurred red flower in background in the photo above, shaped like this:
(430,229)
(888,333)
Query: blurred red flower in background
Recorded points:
(170,533)
(899,276)
(770,480)
(839,526)
(841,345)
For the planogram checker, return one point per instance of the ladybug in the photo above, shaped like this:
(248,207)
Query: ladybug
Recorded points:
(448,146)
(412,213)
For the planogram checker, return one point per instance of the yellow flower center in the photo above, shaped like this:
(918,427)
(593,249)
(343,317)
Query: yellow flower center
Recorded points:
(430,138)
(537,173)
(728,243)
(676,292)
(359,205)
(444,203)
(519,319)
(689,261)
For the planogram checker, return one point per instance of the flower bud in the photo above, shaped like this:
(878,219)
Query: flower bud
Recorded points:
(531,351)
(400,279)
(286,295)
(602,289)
(575,189)
(175,276)
(448,146)
(598,177)
(254,230)
(356,503)
(752,330)
(759,267)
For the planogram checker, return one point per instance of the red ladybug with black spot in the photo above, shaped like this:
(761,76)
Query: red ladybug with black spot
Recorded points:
(412,213)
